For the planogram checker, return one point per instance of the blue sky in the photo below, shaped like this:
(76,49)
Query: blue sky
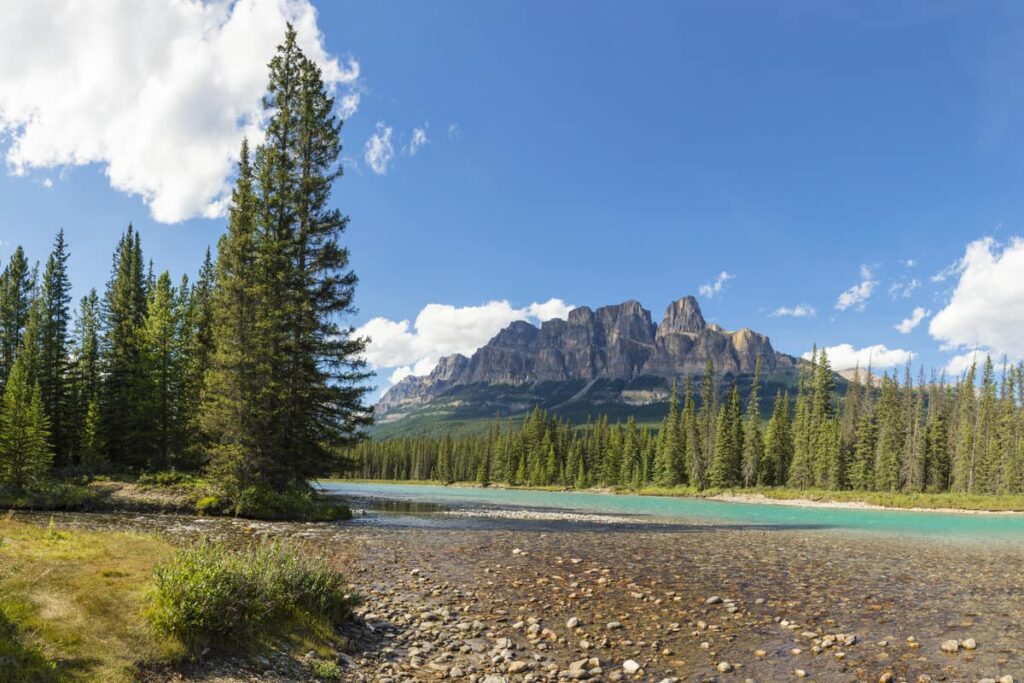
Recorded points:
(603,151)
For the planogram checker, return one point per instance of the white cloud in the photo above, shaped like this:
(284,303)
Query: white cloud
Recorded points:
(454,131)
(957,365)
(47,183)
(857,296)
(419,140)
(986,310)
(798,311)
(379,152)
(712,289)
(844,356)
(158,93)
(903,288)
(947,272)
(909,263)
(441,330)
(348,104)
(907,325)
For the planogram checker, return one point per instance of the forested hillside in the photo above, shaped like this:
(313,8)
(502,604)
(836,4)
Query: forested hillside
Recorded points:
(885,434)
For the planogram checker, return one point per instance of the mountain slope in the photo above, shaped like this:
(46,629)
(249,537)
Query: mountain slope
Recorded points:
(611,360)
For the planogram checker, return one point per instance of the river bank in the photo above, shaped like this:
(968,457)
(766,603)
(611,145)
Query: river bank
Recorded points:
(866,500)
(516,601)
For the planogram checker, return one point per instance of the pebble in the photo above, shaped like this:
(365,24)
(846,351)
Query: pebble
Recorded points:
(950,646)
(724,667)
(572,623)
(630,666)
(713,600)
(969,644)
(886,677)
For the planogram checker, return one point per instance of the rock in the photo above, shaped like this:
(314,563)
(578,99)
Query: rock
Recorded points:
(1005,679)
(630,666)
(517,667)
(614,625)
(618,342)
(886,677)
(969,644)
(760,653)
(950,646)
(800,673)
(572,623)
(492,678)
(713,600)
(724,667)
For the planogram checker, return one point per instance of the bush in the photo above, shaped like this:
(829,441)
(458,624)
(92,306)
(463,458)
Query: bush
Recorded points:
(211,594)
(262,503)
(210,505)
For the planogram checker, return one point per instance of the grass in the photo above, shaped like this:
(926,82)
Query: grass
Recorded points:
(72,604)
(211,595)
(172,491)
(896,500)
(88,606)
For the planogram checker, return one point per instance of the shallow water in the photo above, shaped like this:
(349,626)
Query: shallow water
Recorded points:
(935,525)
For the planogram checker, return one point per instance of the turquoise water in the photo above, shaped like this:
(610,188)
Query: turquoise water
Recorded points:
(944,525)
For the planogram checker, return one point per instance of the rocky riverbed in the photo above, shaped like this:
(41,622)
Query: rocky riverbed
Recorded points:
(525,601)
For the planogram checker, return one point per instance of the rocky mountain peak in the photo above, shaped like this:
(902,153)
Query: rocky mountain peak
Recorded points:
(682,316)
(612,346)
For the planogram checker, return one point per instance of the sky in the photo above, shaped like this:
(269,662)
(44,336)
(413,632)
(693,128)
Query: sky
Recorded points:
(834,173)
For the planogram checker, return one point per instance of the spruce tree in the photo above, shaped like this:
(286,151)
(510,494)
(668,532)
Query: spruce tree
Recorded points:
(163,374)
(123,396)
(25,451)
(669,458)
(285,398)
(753,440)
(15,298)
(54,374)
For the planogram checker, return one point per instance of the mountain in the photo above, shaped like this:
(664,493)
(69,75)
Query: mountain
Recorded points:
(611,360)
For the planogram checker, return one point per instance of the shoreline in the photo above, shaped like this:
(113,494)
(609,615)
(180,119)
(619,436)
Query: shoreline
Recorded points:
(812,499)
(761,499)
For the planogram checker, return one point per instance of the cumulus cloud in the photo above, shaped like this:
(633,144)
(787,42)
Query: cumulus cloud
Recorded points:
(379,152)
(986,309)
(712,289)
(909,263)
(441,330)
(798,311)
(857,296)
(907,325)
(454,131)
(959,364)
(158,93)
(845,356)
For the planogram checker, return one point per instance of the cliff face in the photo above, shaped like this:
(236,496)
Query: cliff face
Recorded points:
(611,343)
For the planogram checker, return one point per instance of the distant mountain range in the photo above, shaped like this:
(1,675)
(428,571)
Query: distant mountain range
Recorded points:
(612,360)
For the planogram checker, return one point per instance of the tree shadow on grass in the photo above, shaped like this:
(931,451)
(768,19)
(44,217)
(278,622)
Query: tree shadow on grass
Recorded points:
(20,661)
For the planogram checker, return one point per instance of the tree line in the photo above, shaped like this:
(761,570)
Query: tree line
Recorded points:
(884,434)
(247,372)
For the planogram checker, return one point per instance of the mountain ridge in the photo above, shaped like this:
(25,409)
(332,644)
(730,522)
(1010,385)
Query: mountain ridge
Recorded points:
(613,354)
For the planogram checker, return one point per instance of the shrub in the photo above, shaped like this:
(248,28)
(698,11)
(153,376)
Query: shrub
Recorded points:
(210,505)
(262,503)
(211,594)
(325,670)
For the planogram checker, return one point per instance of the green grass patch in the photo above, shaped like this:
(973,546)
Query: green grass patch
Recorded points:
(72,602)
(211,595)
(53,496)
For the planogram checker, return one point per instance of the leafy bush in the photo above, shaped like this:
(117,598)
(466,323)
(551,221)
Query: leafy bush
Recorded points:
(325,670)
(212,594)
(263,503)
(210,505)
